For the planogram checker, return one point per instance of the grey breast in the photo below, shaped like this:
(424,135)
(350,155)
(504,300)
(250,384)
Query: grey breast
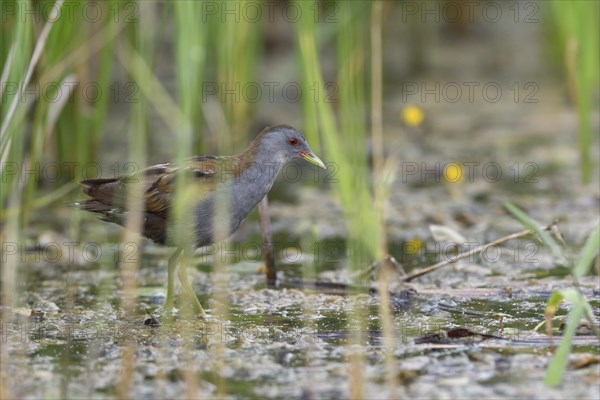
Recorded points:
(235,200)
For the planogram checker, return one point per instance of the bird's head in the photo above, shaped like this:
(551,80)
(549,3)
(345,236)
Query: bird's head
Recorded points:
(282,143)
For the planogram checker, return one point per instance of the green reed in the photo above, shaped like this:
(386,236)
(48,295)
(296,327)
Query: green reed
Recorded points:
(191,56)
(580,307)
(344,147)
(344,143)
(236,44)
(17,46)
(578,24)
(71,98)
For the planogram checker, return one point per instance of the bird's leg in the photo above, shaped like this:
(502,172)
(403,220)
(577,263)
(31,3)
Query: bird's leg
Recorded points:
(187,254)
(171,279)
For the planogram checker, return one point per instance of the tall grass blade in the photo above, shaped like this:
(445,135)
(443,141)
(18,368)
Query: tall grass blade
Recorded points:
(588,253)
(580,308)
(579,24)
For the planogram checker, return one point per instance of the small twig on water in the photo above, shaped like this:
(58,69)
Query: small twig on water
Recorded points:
(452,260)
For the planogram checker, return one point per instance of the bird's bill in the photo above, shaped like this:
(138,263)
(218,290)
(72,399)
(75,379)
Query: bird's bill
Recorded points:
(313,159)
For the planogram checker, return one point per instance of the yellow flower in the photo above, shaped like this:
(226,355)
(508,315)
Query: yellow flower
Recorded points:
(412,116)
(414,246)
(453,173)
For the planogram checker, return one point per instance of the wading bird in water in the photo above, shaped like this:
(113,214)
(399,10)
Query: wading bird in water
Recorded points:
(219,193)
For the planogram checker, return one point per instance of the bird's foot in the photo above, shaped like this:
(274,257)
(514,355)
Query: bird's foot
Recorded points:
(197,306)
(168,307)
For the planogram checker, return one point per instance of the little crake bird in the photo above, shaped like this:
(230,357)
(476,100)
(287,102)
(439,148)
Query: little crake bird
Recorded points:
(219,193)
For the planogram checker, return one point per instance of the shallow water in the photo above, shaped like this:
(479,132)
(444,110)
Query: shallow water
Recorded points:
(289,341)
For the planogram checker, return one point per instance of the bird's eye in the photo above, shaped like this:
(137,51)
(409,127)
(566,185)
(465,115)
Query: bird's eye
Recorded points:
(293,141)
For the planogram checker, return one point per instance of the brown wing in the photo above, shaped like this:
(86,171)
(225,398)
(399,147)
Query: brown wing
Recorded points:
(202,175)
